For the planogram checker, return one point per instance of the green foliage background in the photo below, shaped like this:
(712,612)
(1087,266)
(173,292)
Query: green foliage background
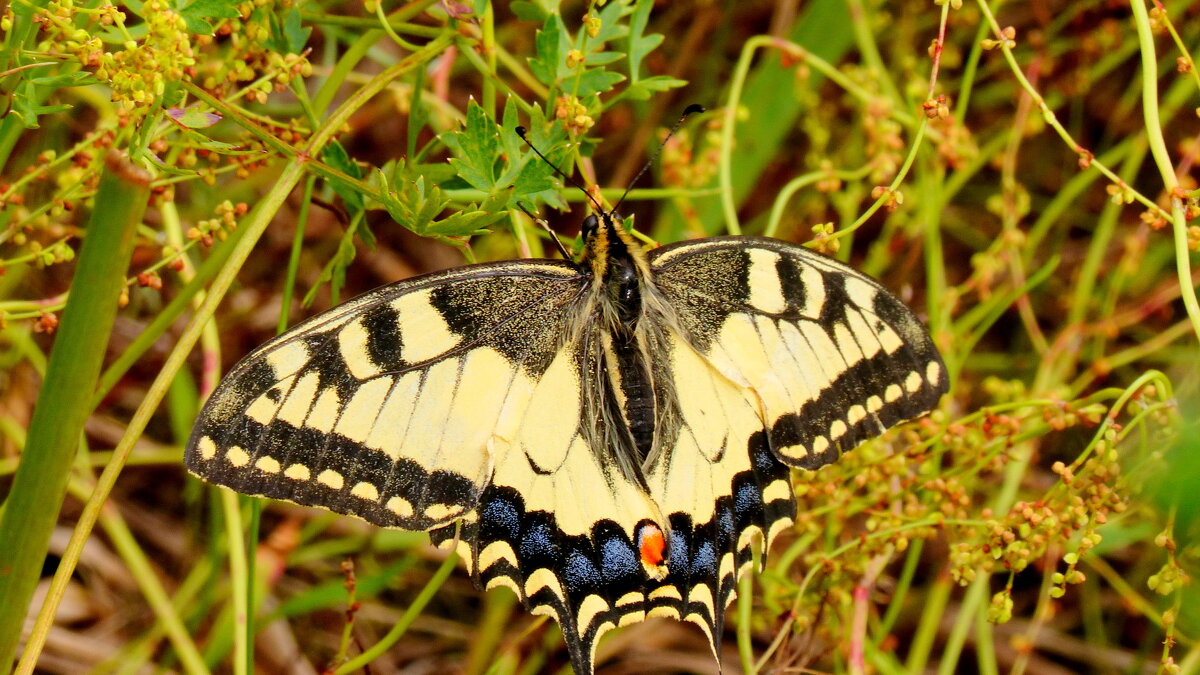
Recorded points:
(1023,173)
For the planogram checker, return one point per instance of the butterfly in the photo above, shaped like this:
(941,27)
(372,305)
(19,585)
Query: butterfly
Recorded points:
(610,437)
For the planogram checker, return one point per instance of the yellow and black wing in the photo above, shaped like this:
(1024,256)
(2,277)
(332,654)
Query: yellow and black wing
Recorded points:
(393,407)
(830,357)
(770,356)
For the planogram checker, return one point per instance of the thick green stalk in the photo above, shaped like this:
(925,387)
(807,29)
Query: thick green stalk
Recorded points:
(64,402)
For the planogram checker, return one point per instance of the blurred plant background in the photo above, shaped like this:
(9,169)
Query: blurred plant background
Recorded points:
(1022,173)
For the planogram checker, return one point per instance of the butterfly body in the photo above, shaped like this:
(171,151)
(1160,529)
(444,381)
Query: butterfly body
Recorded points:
(611,438)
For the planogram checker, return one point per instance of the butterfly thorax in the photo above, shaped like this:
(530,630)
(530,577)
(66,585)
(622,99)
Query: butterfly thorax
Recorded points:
(630,394)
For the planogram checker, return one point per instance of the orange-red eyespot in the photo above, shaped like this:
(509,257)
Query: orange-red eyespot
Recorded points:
(652,545)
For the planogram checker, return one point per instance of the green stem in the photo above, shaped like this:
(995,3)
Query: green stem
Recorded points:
(63,406)
(239,576)
(1158,149)
(745,612)
(414,610)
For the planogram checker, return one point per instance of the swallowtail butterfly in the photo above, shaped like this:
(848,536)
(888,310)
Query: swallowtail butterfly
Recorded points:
(610,438)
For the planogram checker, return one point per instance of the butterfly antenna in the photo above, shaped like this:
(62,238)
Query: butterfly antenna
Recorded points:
(687,112)
(546,226)
(521,131)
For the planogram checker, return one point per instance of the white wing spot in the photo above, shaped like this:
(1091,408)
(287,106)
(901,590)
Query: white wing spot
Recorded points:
(860,292)
(365,490)
(631,618)
(777,527)
(837,429)
(400,506)
(665,592)
(237,456)
(358,417)
(893,393)
(495,552)
(888,338)
(820,445)
(630,598)
(263,409)
(855,414)
(543,578)
(766,292)
(267,464)
(874,404)
(299,400)
(794,451)
(297,472)
(331,479)
(702,594)
(933,372)
(207,448)
(913,382)
(847,345)
(442,511)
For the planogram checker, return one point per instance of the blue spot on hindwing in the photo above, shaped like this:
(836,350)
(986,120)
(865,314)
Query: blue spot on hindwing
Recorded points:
(704,563)
(538,542)
(580,573)
(502,516)
(617,559)
(748,500)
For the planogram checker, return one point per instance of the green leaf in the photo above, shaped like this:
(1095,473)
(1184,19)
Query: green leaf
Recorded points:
(475,149)
(640,44)
(27,109)
(193,118)
(597,82)
(464,224)
(336,156)
(418,113)
(529,11)
(411,205)
(334,272)
(197,12)
(79,78)
(602,58)
(545,65)
(480,7)
(295,34)
(641,90)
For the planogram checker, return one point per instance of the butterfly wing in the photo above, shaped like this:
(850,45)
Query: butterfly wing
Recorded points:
(561,522)
(831,356)
(392,407)
(778,357)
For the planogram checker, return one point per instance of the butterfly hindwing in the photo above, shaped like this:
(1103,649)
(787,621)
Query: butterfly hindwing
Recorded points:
(390,406)
(559,524)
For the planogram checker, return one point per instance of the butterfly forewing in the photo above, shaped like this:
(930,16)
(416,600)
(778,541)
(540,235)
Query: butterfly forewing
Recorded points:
(390,407)
(831,356)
